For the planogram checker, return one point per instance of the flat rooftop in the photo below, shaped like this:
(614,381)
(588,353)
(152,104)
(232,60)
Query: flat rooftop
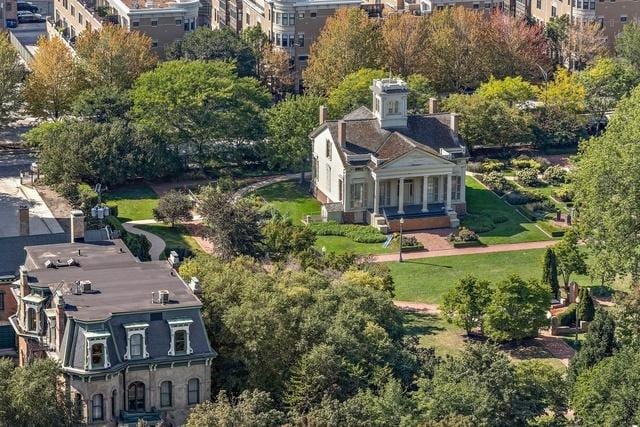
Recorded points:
(119,283)
(155,4)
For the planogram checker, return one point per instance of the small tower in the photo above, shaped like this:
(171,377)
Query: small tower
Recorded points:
(390,102)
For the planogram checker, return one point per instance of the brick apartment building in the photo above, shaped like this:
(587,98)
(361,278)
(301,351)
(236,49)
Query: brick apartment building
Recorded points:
(128,335)
(165,21)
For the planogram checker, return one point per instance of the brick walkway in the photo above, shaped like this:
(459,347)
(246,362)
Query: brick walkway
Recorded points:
(557,347)
(433,240)
(507,247)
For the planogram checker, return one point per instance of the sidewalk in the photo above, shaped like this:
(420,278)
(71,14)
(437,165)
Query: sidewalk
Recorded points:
(507,247)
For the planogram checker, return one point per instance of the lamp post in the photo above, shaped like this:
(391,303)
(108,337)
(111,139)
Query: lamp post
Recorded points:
(400,249)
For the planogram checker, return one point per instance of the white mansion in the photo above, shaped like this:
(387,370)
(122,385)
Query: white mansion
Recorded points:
(379,166)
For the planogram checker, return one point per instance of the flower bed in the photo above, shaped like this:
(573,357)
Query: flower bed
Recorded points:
(357,233)
(411,244)
(464,238)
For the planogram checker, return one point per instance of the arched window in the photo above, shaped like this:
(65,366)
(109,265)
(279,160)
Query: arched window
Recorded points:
(114,404)
(97,355)
(193,388)
(180,341)
(135,395)
(31,319)
(165,394)
(97,406)
(135,346)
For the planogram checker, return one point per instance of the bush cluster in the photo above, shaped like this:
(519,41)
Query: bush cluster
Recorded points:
(497,182)
(475,167)
(568,316)
(464,235)
(563,194)
(555,175)
(357,233)
(138,244)
(492,165)
(524,162)
(528,177)
(522,197)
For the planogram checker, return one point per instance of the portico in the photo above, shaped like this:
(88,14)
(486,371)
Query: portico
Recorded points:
(431,193)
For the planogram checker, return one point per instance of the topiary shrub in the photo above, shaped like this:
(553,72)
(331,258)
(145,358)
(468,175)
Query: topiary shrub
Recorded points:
(555,175)
(496,182)
(528,177)
(492,165)
(586,309)
(568,316)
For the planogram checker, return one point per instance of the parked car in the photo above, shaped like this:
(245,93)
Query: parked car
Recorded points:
(28,7)
(26,17)
(12,23)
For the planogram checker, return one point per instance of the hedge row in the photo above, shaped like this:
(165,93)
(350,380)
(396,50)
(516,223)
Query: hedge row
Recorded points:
(357,233)
(138,244)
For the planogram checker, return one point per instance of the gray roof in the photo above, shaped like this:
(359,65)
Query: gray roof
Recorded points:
(12,249)
(120,284)
(364,135)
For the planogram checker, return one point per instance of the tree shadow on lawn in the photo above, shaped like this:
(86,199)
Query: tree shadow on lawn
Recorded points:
(525,350)
(426,264)
(416,323)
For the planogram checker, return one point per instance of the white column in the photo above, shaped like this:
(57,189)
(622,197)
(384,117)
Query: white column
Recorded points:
(376,196)
(449,191)
(425,192)
(401,196)
(463,189)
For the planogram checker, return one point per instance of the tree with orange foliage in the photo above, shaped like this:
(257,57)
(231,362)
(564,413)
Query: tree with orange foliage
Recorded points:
(404,39)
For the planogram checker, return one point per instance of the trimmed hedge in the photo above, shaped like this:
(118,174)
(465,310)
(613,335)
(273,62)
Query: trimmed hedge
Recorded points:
(557,233)
(522,197)
(467,244)
(567,317)
(138,244)
(357,233)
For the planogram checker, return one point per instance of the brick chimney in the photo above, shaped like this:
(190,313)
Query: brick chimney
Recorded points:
(434,106)
(77,225)
(324,114)
(454,122)
(23,219)
(24,281)
(61,318)
(342,133)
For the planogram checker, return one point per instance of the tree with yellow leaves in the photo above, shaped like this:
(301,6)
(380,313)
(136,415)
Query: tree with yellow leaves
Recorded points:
(54,80)
(113,56)
(11,74)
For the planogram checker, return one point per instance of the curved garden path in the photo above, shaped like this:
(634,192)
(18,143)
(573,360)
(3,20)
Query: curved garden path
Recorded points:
(266,182)
(157,244)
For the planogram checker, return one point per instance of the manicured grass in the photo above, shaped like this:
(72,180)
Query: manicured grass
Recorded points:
(175,237)
(134,202)
(340,244)
(291,200)
(516,229)
(428,279)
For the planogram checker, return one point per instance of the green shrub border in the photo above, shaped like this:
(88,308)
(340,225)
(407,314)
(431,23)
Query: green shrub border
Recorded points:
(467,244)
(357,233)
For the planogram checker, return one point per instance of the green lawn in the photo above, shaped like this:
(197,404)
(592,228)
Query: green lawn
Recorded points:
(516,229)
(428,279)
(291,200)
(134,202)
(175,237)
(295,202)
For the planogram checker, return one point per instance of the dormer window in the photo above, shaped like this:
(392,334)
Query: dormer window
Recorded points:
(180,340)
(136,341)
(97,355)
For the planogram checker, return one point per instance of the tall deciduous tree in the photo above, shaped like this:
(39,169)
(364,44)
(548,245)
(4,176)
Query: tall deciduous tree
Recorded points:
(275,69)
(605,181)
(420,91)
(517,309)
(511,90)
(550,272)
(216,45)
(571,260)
(250,408)
(12,73)
(348,42)
(466,303)
(172,207)
(628,44)
(404,40)
(353,92)
(200,106)
(585,41)
(114,56)
(289,123)
(54,80)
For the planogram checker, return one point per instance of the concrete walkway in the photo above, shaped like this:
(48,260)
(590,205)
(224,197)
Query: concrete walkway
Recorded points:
(157,244)
(507,247)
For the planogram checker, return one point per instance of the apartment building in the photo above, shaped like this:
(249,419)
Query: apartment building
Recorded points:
(128,335)
(612,14)
(486,6)
(165,21)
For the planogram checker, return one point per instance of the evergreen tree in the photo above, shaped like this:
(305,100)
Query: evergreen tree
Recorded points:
(550,272)
(600,343)
(585,309)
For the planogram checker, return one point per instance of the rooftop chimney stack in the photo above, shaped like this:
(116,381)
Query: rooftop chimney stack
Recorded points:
(433,106)
(454,123)
(77,226)
(342,133)
(23,219)
(61,318)
(24,281)
(324,114)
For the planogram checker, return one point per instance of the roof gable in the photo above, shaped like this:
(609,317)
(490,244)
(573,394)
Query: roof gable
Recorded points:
(417,157)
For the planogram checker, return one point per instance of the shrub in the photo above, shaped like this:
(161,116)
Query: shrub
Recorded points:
(138,244)
(475,167)
(563,194)
(496,182)
(524,162)
(357,233)
(492,165)
(86,197)
(528,177)
(522,197)
(182,252)
(544,163)
(568,316)
(555,175)
(464,235)
(478,223)
(586,309)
